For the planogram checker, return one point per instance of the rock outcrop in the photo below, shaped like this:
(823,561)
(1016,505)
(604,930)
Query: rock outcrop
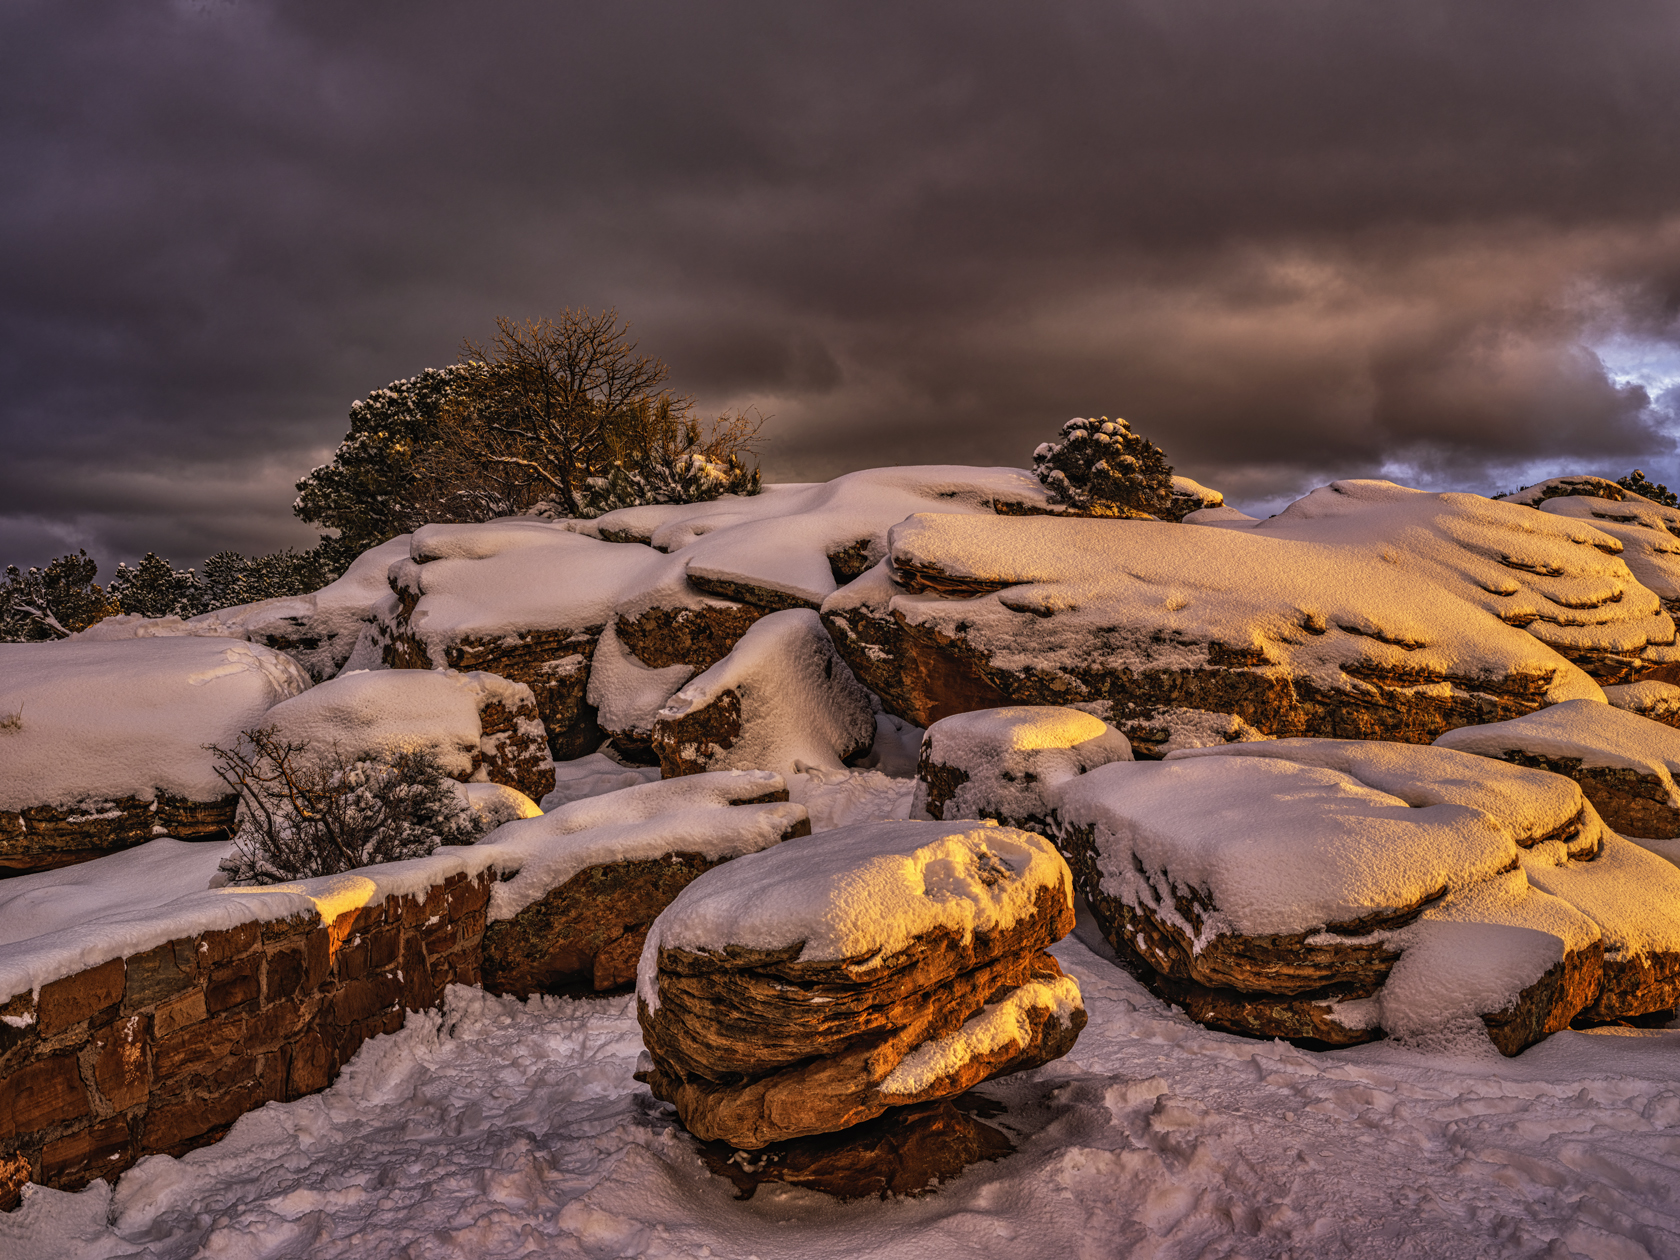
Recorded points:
(477,725)
(1002,764)
(102,743)
(1624,763)
(1334,891)
(609,865)
(781,698)
(815,986)
(1135,619)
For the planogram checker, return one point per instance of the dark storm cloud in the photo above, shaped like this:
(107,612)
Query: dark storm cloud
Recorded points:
(1288,240)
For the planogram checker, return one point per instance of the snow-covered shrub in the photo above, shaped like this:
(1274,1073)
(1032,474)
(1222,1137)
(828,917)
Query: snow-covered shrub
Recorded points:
(687,478)
(304,813)
(1101,468)
(1652,490)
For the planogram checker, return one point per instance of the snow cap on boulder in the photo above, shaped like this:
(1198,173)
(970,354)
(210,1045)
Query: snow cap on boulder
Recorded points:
(1003,763)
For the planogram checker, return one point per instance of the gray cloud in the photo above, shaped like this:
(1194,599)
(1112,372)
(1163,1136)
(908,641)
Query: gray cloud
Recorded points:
(1290,241)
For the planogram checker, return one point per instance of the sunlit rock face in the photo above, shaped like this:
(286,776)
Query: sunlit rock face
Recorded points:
(813,987)
(1364,611)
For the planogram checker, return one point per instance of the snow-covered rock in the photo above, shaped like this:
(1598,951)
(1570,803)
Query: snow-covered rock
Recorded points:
(475,724)
(1003,764)
(1332,891)
(592,876)
(1624,763)
(781,699)
(811,987)
(103,744)
(1376,624)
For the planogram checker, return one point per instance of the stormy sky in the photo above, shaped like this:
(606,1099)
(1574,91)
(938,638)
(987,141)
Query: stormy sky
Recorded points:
(1438,242)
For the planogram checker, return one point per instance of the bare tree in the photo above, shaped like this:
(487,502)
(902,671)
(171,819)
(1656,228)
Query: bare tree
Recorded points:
(555,399)
(307,812)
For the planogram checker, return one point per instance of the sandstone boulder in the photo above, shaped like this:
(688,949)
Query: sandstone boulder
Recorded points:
(593,875)
(102,743)
(477,725)
(1658,701)
(1649,532)
(780,699)
(812,987)
(1624,763)
(1334,891)
(1002,763)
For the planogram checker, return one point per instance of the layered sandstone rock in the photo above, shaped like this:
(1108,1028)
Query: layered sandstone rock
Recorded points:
(1624,763)
(781,698)
(1002,763)
(1658,701)
(1333,891)
(812,987)
(521,598)
(1384,613)
(595,874)
(1649,532)
(103,743)
(477,725)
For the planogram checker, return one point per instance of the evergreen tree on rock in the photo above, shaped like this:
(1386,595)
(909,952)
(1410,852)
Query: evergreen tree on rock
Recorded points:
(1101,468)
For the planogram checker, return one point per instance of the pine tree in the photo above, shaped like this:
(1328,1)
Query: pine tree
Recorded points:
(1652,490)
(156,588)
(53,602)
(1101,468)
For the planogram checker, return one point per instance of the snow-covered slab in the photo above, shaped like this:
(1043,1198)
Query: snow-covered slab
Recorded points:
(782,699)
(1658,701)
(594,775)
(127,903)
(1649,534)
(861,893)
(1295,637)
(94,721)
(1625,763)
(1559,577)
(1633,896)
(1004,763)
(505,577)
(1501,955)
(795,541)
(808,988)
(1265,847)
(1533,806)
(719,815)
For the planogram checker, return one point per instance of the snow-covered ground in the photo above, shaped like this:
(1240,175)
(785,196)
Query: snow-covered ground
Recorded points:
(509,1128)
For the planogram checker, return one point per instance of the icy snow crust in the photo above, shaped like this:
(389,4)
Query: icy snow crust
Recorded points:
(780,540)
(862,893)
(1530,803)
(692,814)
(1241,829)
(1596,733)
(1145,594)
(101,720)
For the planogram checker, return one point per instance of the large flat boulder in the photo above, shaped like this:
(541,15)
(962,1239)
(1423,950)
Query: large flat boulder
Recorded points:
(1003,764)
(1624,763)
(1345,636)
(783,698)
(814,986)
(593,875)
(103,744)
(1263,875)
